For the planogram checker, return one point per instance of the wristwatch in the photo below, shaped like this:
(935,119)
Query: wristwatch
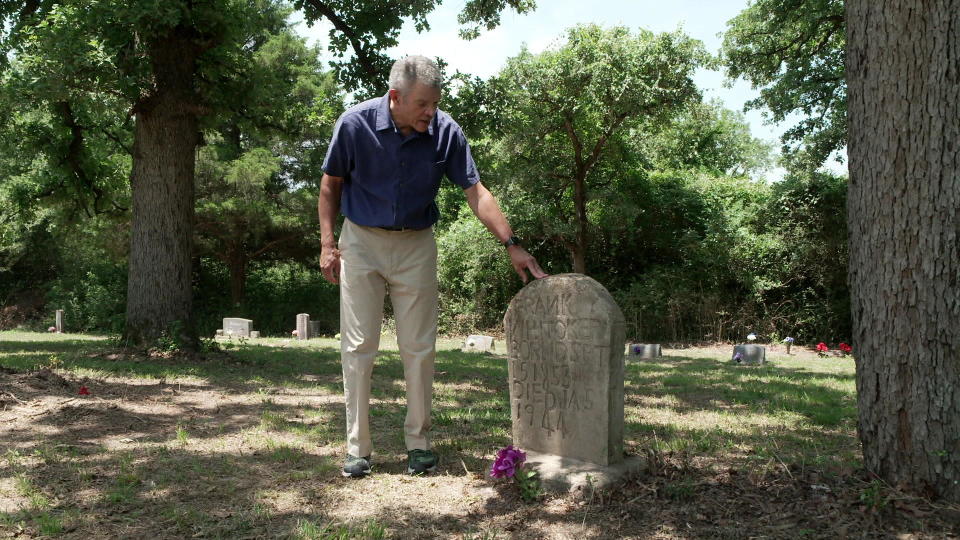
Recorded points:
(512,241)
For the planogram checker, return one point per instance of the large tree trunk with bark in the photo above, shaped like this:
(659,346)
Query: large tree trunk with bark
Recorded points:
(159,293)
(903,75)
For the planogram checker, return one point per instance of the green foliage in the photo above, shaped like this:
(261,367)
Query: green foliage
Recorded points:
(807,212)
(363,30)
(793,51)
(368,530)
(529,483)
(682,228)
(709,138)
(276,292)
(91,296)
(475,276)
(82,271)
(581,102)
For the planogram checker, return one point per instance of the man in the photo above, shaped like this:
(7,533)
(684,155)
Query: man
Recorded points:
(382,171)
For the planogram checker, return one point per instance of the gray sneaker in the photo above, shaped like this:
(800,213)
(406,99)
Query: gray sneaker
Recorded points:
(421,461)
(356,467)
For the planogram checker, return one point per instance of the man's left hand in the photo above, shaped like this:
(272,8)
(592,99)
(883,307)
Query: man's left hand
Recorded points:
(523,262)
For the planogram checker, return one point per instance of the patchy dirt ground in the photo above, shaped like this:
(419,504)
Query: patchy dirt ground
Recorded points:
(209,457)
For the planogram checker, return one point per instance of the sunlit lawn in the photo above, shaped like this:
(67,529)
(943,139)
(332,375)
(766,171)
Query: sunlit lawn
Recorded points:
(250,441)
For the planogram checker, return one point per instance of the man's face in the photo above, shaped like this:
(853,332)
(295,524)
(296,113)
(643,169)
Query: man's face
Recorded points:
(415,107)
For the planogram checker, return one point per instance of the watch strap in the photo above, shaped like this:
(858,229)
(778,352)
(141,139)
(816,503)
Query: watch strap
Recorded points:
(512,241)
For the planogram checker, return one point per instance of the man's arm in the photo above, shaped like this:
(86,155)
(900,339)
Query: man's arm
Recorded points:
(485,207)
(328,206)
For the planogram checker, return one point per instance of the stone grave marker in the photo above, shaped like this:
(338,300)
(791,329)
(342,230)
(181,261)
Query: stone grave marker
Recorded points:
(234,326)
(303,326)
(314,329)
(59,323)
(564,339)
(749,354)
(478,344)
(645,350)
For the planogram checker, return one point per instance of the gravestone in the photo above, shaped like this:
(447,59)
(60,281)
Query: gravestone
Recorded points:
(254,334)
(59,323)
(749,354)
(645,350)
(233,326)
(314,329)
(303,326)
(564,339)
(478,344)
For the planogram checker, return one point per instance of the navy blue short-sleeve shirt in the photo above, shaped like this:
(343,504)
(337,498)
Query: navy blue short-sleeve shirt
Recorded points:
(391,180)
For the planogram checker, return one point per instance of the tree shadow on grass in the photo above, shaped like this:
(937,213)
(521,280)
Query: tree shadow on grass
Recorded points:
(165,485)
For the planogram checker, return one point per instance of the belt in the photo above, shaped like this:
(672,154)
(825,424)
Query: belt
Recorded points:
(401,229)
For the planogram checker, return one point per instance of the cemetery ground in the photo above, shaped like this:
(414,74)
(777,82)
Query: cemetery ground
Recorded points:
(247,442)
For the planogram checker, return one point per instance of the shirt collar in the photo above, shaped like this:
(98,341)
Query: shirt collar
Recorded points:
(385,121)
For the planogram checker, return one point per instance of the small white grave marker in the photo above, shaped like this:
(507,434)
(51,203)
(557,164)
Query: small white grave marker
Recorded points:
(478,344)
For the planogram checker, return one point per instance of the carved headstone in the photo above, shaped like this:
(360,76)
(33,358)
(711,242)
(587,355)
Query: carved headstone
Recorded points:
(314,329)
(59,323)
(564,339)
(749,354)
(478,344)
(233,326)
(303,326)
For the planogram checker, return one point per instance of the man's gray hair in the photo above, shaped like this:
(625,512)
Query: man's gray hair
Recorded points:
(416,68)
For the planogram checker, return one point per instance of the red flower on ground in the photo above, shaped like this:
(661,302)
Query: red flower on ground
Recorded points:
(822,347)
(847,349)
(84,391)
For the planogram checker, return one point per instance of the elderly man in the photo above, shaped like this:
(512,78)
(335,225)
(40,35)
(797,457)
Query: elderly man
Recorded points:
(382,171)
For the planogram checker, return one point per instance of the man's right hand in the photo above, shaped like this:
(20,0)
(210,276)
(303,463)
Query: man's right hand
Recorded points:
(330,264)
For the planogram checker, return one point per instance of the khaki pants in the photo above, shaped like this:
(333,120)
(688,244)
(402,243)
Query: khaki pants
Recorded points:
(372,259)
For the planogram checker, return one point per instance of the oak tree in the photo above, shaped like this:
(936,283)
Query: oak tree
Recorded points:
(903,72)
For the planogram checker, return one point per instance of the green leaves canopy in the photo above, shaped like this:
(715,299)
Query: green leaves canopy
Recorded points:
(565,118)
(793,51)
(363,30)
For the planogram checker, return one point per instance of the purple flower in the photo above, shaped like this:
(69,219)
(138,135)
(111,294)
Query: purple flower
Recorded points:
(788,340)
(738,357)
(508,460)
(636,349)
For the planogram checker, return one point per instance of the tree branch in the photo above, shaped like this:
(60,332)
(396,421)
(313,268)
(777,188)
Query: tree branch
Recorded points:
(361,54)
(577,145)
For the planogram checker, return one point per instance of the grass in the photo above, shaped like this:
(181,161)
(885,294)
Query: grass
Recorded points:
(248,443)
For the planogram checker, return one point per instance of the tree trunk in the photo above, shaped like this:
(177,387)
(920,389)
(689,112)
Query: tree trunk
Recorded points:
(903,76)
(159,293)
(580,202)
(238,274)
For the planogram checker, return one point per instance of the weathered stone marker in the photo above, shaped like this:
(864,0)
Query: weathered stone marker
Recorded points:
(478,344)
(233,326)
(749,354)
(565,335)
(314,329)
(59,323)
(645,350)
(303,326)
